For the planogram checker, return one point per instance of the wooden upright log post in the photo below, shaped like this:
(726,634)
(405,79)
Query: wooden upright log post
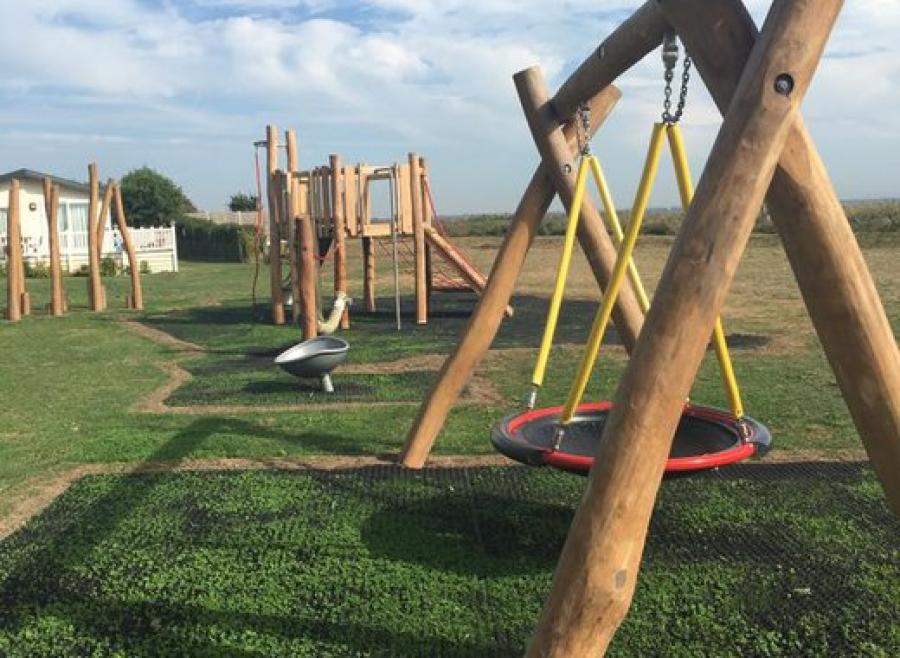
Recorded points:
(137,293)
(595,241)
(275,207)
(13,255)
(479,332)
(368,248)
(293,160)
(597,572)
(340,232)
(418,217)
(428,221)
(51,206)
(308,247)
(837,287)
(95,284)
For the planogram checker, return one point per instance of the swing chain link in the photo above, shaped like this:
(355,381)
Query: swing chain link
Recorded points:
(583,128)
(670,55)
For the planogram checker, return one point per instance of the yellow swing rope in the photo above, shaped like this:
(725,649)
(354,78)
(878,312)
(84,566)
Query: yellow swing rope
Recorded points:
(589,162)
(686,190)
(625,258)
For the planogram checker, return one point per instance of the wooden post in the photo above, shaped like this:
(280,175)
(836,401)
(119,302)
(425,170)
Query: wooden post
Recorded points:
(308,246)
(293,159)
(275,206)
(340,251)
(13,255)
(368,248)
(104,213)
(418,217)
(836,284)
(428,221)
(51,206)
(597,571)
(595,241)
(485,320)
(95,284)
(625,47)
(137,294)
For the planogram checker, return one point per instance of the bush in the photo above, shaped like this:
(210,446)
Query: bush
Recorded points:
(145,267)
(84,270)
(204,241)
(37,271)
(241,202)
(151,199)
(108,267)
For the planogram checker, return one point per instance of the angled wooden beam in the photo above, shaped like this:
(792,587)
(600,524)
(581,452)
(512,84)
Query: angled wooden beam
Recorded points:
(597,571)
(546,129)
(136,298)
(479,332)
(834,280)
(630,42)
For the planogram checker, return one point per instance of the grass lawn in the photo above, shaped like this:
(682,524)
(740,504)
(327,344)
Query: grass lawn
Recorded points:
(762,561)
(78,391)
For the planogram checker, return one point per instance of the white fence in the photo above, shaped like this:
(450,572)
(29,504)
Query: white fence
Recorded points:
(240,217)
(156,247)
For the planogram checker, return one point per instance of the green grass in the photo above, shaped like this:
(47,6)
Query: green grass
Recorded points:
(261,564)
(382,562)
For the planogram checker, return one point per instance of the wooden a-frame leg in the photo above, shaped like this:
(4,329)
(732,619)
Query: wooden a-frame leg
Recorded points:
(558,161)
(479,332)
(837,287)
(597,571)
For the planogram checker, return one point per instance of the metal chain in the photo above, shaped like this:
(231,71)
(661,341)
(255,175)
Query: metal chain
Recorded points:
(670,56)
(583,128)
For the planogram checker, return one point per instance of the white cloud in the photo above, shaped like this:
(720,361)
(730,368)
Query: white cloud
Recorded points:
(374,79)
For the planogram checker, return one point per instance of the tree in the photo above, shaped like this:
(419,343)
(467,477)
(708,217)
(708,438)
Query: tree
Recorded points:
(152,199)
(242,202)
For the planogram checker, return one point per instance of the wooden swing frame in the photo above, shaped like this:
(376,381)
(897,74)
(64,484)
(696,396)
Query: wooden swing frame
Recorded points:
(763,152)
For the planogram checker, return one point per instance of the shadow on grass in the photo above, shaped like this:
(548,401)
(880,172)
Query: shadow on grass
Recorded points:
(230,330)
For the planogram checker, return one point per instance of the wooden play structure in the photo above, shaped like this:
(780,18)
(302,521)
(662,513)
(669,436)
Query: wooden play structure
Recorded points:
(763,152)
(18,299)
(314,212)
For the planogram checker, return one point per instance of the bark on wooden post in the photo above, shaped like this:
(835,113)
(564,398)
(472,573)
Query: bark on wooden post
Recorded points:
(368,249)
(485,320)
(597,571)
(418,217)
(308,258)
(137,294)
(428,220)
(595,241)
(95,284)
(340,233)
(293,160)
(13,255)
(275,207)
(104,213)
(51,206)
(832,274)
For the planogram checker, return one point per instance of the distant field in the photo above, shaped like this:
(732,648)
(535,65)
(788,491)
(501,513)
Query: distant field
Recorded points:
(882,216)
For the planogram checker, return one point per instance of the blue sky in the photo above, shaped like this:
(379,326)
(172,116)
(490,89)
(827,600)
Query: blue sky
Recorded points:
(186,86)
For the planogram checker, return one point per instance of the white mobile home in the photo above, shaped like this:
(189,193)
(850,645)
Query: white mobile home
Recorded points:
(155,246)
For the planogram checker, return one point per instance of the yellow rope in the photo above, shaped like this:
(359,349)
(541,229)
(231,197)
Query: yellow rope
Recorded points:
(601,320)
(686,190)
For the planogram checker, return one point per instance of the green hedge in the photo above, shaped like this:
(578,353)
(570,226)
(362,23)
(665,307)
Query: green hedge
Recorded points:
(222,243)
